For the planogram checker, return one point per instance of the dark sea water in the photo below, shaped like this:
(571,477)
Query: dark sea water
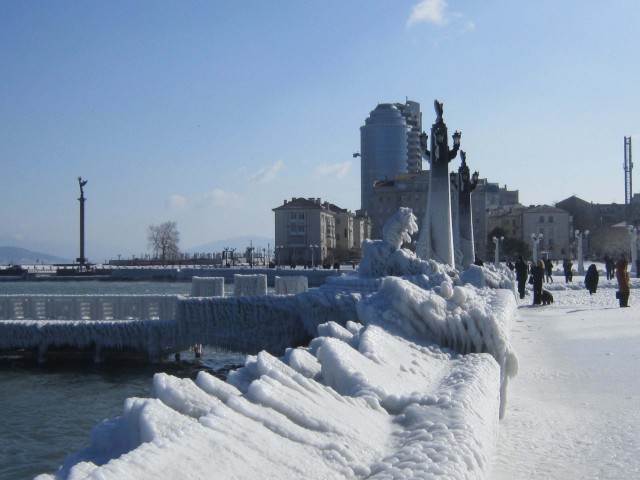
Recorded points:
(47,411)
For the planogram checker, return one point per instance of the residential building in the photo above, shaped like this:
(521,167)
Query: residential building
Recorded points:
(556,228)
(309,231)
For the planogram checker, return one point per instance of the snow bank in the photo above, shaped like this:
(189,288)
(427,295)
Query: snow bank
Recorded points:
(291,285)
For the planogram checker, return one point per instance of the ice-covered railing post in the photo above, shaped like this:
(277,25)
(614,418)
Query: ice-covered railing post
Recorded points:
(466,184)
(536,241)
(579,252)
(436,240)
(633,237)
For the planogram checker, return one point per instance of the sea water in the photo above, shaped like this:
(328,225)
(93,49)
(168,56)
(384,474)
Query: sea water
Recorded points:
(47,411)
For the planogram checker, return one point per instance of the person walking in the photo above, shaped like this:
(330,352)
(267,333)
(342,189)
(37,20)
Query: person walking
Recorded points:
(522,272)
(548,269)
(608,265)
(537,272)
(591,279)
(566,267)
(624,285)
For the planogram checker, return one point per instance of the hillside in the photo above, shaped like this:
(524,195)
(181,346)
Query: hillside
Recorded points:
(21,256)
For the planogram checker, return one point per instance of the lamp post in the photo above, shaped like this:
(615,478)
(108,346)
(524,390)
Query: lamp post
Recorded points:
(536,241)
(578,236)
(436,237)
(497,241)
(312,252)
(225,256)
(633,237)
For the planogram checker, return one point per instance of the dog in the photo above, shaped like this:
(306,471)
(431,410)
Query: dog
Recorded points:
(547,298)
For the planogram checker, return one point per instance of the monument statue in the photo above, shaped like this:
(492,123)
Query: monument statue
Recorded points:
(436,241)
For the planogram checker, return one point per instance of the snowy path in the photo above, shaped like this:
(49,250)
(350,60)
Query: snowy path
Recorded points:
(574,408)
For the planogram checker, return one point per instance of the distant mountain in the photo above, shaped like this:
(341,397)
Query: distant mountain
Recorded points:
(21,256)
(239,243)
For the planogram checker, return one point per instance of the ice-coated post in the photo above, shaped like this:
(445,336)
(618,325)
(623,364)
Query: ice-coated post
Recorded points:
(633,237)
(436,237)
(496,260)
(536,241)
(579,250)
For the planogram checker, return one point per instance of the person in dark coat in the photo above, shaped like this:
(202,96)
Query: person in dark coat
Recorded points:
(548,269)
(522,272)
(591,279)
(608,265)
(537,272)
(624,285)
(568,272)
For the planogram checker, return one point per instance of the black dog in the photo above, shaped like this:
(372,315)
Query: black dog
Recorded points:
(547,298)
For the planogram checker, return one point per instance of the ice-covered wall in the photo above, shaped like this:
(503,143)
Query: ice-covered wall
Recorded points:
(462,318)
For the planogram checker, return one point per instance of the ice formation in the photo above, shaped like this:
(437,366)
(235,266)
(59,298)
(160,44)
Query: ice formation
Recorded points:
(207,287)
(291,285)
(399,376)
(247,285)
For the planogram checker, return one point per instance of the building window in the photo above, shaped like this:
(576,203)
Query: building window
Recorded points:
(541,219)
(550,219)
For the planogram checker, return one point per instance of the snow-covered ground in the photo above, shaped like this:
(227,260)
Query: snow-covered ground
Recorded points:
(574,408)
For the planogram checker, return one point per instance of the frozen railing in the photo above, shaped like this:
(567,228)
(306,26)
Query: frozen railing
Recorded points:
(87,307)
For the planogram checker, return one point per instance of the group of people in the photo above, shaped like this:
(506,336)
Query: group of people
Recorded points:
(536,273)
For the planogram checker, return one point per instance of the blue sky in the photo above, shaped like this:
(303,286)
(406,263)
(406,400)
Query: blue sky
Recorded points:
(211,113)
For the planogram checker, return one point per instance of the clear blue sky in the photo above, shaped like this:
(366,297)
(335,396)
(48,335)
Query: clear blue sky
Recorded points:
(211,113)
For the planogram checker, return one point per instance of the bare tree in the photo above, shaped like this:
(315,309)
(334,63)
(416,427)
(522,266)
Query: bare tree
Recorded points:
(163,240)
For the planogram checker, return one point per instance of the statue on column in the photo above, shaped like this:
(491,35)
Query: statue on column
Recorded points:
(467,184)
(436,240)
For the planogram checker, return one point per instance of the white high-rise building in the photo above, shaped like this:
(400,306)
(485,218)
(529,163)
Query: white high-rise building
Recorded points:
(389,145)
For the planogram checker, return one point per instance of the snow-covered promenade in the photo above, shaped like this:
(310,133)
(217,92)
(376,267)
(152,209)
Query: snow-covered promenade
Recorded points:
(574,408)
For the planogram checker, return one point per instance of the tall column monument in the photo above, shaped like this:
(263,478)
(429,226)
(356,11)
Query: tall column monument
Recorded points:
(436,240)
(81,260)
(466,185)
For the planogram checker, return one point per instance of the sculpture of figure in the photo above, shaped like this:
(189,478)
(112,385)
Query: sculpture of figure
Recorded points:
(82,183)
(439,110)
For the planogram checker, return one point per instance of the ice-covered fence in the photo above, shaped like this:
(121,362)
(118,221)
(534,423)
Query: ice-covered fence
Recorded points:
(289,285)
(207,287)
(272,323)
(87,307)
(249,285)
(153,338)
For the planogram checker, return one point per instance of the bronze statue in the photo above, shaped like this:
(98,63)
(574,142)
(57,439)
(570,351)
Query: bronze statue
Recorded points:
(82,184)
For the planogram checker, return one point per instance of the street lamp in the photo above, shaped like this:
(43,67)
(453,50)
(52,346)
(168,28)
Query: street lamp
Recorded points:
(578,236)
(536,240)
(497,241)
(312,252)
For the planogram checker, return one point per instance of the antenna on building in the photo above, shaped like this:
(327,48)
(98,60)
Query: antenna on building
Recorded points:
(628,169)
